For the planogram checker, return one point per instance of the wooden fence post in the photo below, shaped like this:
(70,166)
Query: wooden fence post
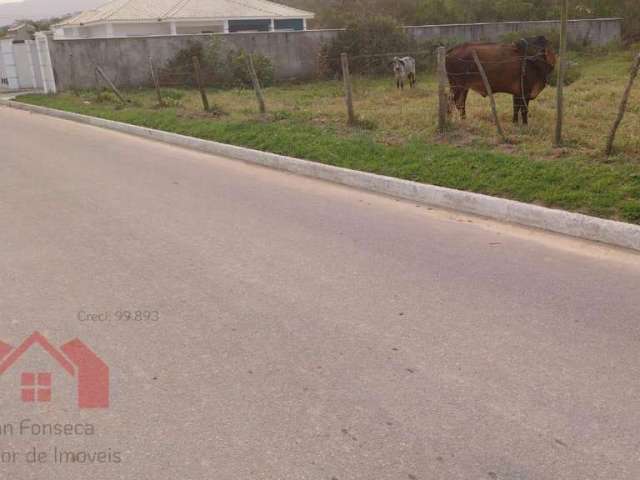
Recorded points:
(203,93)
(492,99)
(72,71)
(156,82)
(256,84)
(561,72)
(623,106)
(443,102)
(110,84)
(348,88)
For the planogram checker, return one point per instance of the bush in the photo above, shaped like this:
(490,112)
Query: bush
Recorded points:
(105,96)
(366,41)
(179,71)
(238,73)
(219,66)
(173,94)
(572,74)
(552,35)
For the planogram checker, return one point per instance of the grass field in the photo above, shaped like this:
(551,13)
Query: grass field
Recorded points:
(398,134)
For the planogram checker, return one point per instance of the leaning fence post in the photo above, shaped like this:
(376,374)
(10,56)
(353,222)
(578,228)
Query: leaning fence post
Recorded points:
(348,88)
(561,72)
(203,93)
(110,83)
(623,106)
(72,72)
(492,100)
(256,84)
(156,82)
(443,106)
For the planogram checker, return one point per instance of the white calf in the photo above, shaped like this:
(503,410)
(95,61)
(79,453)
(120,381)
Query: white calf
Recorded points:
(404,68)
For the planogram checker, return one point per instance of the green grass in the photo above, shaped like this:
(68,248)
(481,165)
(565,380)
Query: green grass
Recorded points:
(399,138)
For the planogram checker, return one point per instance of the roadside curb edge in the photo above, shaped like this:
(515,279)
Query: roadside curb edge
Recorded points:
(620,234)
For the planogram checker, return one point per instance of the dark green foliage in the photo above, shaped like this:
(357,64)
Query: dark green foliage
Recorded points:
(364,40)
(372,43)
(339,13)
(219,66)
(238,73)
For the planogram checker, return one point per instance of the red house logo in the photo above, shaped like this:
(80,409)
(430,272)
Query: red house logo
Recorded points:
(75,359)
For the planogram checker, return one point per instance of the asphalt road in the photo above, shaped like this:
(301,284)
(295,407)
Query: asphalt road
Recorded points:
(304,330)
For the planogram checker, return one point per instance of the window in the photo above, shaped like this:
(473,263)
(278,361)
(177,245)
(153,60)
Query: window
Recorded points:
(291,24)
(36,387)
(249,26)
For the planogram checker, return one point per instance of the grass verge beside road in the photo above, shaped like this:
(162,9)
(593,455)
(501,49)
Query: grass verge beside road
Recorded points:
(307,121)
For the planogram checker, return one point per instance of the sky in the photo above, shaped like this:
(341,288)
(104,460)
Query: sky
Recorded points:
(37,9)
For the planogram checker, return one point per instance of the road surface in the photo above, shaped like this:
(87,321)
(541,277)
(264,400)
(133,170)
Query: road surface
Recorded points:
(304,330)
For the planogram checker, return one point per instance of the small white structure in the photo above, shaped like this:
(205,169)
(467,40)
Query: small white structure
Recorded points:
(129,18)
(20,31)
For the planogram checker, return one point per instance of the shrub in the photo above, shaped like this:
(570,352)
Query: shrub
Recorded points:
(179,71)
(366,40)
(238,73)
(553,35)
(219,65)
(572,74)
(173,94)
(105,96)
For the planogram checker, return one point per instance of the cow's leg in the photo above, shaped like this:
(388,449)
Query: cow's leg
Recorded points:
(452,100)
(457,97)
(516,108)
(462,103)
(525,111)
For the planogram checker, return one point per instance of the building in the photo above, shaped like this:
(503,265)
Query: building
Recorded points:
(20,32)
(131,18)
(33,371)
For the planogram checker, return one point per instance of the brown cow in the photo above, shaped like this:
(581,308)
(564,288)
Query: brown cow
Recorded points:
(510,67)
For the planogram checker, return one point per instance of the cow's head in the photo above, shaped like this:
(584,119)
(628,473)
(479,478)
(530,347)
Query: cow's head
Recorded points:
(398,65)
(540,53)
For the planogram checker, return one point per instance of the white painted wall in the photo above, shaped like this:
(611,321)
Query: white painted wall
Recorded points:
(4,80)
(94,31)
(199,27)
(140,29)
(10,72)
(35,63)
(19,66)
(45,64)
(26,76)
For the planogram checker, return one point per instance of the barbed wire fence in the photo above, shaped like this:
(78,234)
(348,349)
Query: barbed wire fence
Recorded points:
(477,69)
(191,74)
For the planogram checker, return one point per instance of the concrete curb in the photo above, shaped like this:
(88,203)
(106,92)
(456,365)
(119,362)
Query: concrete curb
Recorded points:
(573,224)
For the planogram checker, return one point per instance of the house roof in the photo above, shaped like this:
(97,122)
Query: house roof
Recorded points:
(36,337)
(5,348)
(20,26)
(170,10)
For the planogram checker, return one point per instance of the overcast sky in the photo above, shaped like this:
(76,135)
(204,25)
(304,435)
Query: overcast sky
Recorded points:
(37,9)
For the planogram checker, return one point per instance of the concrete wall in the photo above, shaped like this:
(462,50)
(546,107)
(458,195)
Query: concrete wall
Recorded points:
(24,66)
(4,75)
(294,54)
(126,60)
(594,32)
(19,65)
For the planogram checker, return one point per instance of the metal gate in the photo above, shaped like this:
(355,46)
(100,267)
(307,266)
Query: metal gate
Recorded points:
(8,70)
